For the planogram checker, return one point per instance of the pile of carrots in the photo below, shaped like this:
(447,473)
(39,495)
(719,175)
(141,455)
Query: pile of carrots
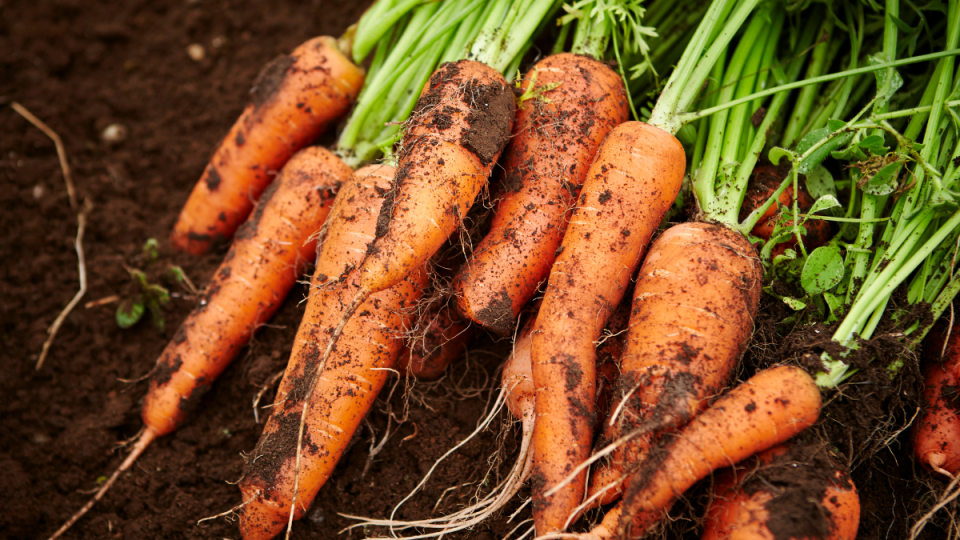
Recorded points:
(628,327)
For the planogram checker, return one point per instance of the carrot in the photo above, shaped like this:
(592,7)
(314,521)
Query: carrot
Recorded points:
(816,231)
(693,307)
(766,410)
(576,101)
(632,182)
(788,491)
(304,438)
(427,355)
(937,436)
(294,99)
(453,138)
(268,255)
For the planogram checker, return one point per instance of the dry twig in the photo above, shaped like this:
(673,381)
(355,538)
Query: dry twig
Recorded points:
(81,225)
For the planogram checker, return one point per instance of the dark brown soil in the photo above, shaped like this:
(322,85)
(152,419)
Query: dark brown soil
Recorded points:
(81,66)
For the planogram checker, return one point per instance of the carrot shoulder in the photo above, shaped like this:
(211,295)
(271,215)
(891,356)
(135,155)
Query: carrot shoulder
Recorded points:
(632,182)
(937,435)
(694,302)
(294,99)
(345,387)
(575,102)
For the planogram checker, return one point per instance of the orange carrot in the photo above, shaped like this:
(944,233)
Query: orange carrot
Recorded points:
(576,101)
(788,491)
(766,180)
(432,349)
(693,307)
(632,182)
(270,252)
(452,140)
(768,409)
(937,436)
(294,99)
(289,466)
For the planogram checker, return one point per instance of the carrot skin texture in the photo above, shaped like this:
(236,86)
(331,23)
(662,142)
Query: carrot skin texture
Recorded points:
(295,99)
(453,139)
(737,513)
(270,252)
(936,439)
(351,378)
(633,180)
(694,304)
(768,409)
(555,138)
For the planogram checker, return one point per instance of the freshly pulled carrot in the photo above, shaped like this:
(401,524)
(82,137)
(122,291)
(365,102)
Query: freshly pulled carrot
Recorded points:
(768,409)
(453,138)
(292,461)
(766,180)
(788,491)
(429,353)
(694,302)
(937,436)
(269,253)
(294,99)
(577,101)
(632,182)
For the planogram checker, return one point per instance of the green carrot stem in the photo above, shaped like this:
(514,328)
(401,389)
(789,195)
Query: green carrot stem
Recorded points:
(818,65)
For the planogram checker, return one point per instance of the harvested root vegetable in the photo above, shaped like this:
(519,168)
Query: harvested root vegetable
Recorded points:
(428,354)
(295,99)
(816,231)
(575,101)
(454,137)
(632,182)
(293,460)
(937,434)
(270,252)
(694,303)
(767,409)
(789,491)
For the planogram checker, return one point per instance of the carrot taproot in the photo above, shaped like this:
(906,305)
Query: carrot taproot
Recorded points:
(428,353)
(767,409)
(937,435)
(294,99)
(794,490)
(269,253)
(633,180)
(575,102)
(299,448)
(694,302)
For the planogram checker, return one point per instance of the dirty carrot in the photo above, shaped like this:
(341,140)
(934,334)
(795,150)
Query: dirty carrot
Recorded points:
(432,349)
(789,491)
(294,99)
(569,103)
(767,409)
(319,405)
(694,303)
(937,436)
(269,253)
(632,182)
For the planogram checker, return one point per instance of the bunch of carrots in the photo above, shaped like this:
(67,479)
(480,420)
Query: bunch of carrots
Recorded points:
(627,327)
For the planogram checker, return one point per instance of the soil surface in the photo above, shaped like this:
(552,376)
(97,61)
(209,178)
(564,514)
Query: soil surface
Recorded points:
(81,66)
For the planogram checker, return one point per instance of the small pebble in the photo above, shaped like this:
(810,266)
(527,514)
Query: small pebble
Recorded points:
(196,52)
(114,133)
(38,192)
(218,42)
(40,438)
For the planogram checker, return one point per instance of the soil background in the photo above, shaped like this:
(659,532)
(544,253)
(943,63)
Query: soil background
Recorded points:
(80,66)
